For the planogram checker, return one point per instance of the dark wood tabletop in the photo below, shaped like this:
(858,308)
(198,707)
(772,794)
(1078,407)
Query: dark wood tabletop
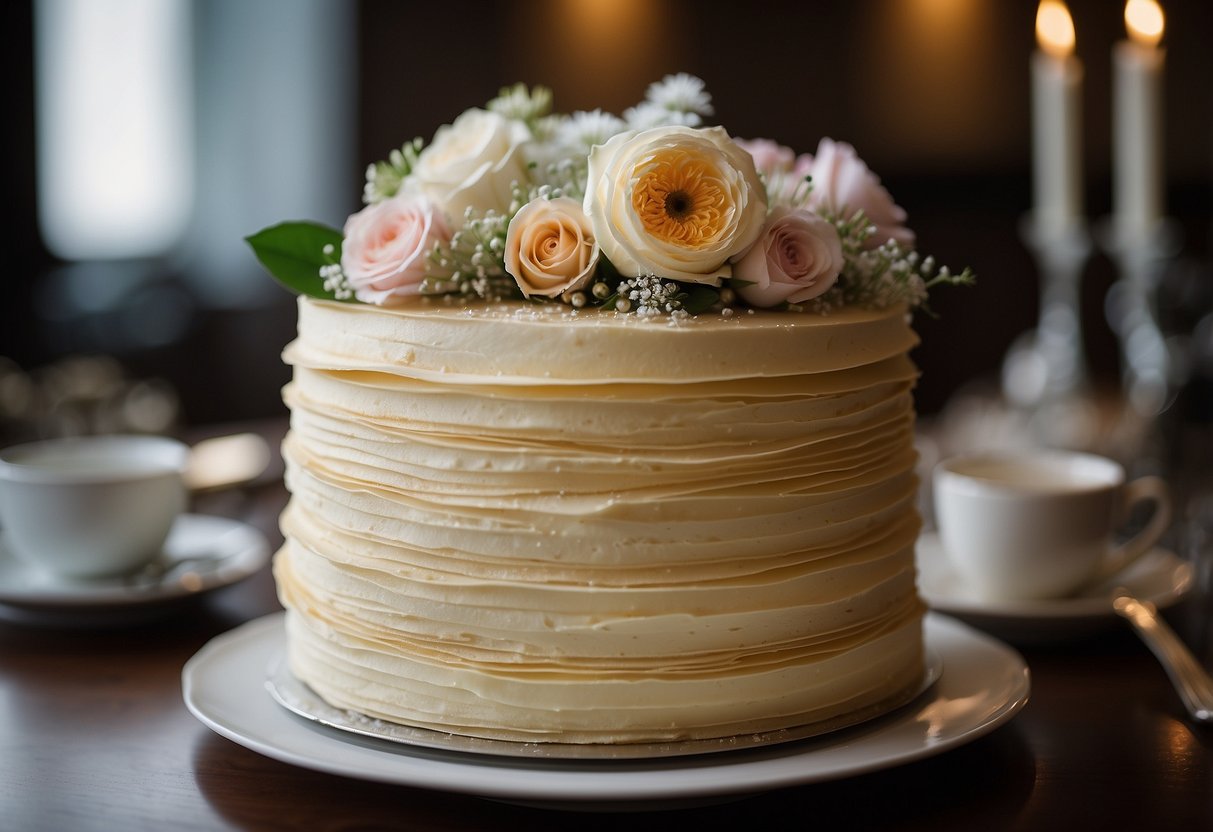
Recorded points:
(94,735)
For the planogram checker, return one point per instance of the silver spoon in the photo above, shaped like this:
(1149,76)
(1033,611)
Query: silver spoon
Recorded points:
(1191,681)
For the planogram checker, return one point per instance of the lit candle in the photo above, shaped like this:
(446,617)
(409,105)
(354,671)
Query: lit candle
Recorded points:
(1137,120)
(1056,107)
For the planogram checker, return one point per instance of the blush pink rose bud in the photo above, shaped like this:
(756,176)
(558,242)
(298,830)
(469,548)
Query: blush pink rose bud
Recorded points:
(387,245)
(770,157)
(843,184)
(550,248)
(797,257)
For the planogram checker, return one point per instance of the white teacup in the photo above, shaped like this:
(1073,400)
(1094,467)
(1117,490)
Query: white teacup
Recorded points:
(91,507)
(1040,524)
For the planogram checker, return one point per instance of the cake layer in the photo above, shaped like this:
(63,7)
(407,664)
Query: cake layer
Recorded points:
(528,344)
(522,522)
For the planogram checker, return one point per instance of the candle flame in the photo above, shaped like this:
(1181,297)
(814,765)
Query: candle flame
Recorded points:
(1144,21)
(1055,28)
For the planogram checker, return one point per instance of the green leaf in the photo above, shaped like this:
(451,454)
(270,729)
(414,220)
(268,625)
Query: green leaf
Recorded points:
(293,252)
(608,272)
(700,298)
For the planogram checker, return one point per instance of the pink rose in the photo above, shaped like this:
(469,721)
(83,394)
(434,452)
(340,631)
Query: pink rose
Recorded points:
(776,163)
(387,246)
(842,184)
(797,257)
(770,157)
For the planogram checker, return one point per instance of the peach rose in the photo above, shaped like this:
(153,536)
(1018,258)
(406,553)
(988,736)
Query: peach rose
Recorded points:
(550,248)
(387,246)
(843,184)
(798,257)
(676,202)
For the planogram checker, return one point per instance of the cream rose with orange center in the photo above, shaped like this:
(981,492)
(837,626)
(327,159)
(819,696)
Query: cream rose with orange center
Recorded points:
(550,248)
(676,202)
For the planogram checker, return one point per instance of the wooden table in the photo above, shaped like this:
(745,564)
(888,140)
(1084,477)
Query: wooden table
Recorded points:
(94,736)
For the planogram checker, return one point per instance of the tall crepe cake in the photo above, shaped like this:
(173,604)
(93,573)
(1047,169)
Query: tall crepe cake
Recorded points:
(602,432)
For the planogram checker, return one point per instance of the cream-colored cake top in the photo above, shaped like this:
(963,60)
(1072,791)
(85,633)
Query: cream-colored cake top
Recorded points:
(529,344)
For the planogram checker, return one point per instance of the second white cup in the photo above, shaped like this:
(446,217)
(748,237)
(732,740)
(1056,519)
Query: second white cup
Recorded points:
(91,507)
(1040,524)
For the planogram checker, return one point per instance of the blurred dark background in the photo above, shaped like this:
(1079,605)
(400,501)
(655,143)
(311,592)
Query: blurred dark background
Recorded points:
(275,107)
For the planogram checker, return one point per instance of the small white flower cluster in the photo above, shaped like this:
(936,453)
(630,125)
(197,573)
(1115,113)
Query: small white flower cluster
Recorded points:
(477,247)
(542,192)
(335,281)
(885,276)
(519,102)
(562,143)
(582,130)
(473,259)
(676,99)
(333,277)
(648,295)
(383,179)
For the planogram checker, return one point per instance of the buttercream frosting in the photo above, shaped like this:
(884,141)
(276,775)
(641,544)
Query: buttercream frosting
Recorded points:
(521,522)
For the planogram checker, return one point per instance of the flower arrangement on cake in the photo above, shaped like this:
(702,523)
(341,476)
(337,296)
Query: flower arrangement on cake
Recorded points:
(651,213)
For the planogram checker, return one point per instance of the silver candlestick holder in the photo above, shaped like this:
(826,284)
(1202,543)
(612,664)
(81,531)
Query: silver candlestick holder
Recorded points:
(1150,370)
(1045,371)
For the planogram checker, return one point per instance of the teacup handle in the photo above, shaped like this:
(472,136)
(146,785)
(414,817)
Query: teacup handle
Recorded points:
(1151,489)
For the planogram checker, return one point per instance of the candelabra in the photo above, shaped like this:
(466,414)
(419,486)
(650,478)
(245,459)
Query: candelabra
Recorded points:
(1150,371)
(1045,371)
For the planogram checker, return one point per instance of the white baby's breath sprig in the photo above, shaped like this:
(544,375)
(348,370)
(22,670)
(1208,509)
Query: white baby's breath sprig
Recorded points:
(649,295)
(474,258)
(333,277)
(569,176)
(883,276)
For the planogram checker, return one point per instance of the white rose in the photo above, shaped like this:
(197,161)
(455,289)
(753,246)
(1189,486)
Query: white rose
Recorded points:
(473,162)
(676,202)
(549,247)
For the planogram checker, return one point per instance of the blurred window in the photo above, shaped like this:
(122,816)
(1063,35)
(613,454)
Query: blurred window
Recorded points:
(114,120)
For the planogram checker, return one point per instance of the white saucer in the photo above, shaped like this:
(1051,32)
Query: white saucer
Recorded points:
(1159,576)
(201,554)
(984,684)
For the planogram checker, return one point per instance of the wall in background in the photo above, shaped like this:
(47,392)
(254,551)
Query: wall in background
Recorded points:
(933,93)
